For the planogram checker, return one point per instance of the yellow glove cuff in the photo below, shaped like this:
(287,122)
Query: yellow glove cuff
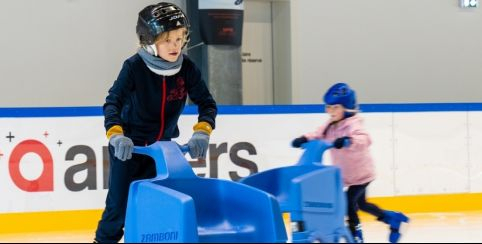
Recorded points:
(114,130)
(203,126)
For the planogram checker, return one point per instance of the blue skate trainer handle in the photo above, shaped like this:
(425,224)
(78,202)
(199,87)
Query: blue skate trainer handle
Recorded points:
(184,149)
(313,153)
(169,159)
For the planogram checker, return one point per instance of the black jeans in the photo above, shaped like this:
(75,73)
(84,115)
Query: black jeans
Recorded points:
(356,200)
(122,174)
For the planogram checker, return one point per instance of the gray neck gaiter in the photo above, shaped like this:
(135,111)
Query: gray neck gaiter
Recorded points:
(159,65)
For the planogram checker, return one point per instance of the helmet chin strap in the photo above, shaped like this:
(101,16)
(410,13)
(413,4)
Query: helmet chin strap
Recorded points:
(151,49)
(356,110)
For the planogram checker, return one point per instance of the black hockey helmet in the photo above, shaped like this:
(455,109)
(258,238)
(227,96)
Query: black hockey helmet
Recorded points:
(158,18)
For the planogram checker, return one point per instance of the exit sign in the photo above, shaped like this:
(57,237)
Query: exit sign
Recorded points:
(469,3)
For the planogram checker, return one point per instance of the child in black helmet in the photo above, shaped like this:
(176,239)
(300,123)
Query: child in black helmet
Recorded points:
(352,155)
(144,104)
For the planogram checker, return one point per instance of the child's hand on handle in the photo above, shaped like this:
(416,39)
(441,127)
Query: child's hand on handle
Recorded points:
(198,145)
(297,142)
(342,142)
(199,142)
(123,146)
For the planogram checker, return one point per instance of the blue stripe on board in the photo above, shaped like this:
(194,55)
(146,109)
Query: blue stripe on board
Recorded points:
(51,112)
(422,107)
(263,109)
(249,109)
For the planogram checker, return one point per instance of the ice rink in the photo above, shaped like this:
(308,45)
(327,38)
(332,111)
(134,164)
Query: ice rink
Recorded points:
(447,227)
(461,227)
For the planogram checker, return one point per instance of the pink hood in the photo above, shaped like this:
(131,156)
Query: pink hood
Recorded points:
(355,161)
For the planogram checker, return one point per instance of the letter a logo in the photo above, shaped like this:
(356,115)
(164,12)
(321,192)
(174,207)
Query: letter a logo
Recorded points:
(45,181)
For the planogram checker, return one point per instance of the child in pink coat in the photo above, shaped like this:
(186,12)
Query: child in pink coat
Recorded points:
(351,142)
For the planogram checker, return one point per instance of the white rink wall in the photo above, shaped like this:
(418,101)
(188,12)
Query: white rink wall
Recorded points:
(416,152)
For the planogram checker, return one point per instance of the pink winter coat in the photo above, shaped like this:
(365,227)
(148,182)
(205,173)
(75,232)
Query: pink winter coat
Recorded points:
(355,161)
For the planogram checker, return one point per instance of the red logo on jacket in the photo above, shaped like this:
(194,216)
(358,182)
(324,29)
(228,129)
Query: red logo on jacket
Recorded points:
(179,92)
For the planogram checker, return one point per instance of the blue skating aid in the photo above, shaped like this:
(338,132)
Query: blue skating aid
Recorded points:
(178,206)
(310,193)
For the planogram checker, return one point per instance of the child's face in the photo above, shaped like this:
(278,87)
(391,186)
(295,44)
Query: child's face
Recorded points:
(169,45)
(336,111)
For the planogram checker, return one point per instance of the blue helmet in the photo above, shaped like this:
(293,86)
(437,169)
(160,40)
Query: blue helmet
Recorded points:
(341,93)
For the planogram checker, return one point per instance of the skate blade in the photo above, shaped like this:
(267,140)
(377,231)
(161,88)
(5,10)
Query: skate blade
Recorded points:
(404,227)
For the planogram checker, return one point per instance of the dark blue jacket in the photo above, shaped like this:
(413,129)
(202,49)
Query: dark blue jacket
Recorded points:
(148,106)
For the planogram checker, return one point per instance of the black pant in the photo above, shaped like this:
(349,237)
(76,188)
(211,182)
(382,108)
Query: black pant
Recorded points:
(356,199)
(122,174)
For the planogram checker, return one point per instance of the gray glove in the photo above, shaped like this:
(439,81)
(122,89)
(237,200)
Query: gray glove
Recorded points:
(198,144)
(123,146)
